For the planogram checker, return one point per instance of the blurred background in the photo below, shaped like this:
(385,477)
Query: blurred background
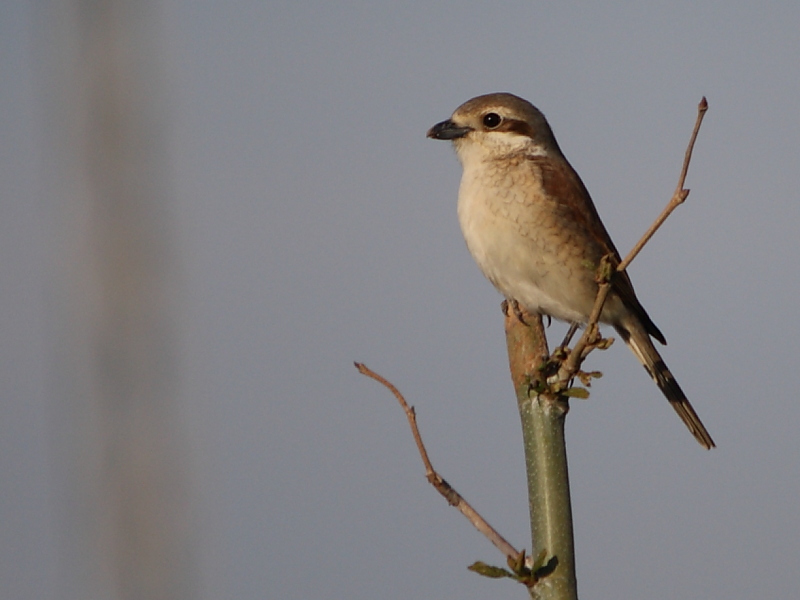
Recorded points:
(210,210)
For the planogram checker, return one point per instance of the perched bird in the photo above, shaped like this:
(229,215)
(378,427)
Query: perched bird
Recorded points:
(531,226)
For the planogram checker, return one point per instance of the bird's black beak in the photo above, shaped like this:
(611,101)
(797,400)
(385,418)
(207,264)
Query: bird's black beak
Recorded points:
(447,130)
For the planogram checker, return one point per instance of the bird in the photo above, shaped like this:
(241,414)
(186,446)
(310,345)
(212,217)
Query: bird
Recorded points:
(531,226)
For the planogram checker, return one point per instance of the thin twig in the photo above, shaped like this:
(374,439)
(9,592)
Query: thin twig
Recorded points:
(678,197)
(570,366)
(444,488)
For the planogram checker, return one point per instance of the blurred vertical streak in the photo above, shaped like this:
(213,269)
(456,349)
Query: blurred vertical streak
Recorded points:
(123,497)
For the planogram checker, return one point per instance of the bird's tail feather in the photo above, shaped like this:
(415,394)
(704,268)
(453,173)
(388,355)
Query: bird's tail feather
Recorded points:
(640,344)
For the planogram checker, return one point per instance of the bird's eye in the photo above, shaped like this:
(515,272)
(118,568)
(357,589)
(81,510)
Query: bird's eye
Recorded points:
(491,120)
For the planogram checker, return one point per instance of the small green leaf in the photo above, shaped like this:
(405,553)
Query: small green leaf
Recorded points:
(576,392)
(481,568)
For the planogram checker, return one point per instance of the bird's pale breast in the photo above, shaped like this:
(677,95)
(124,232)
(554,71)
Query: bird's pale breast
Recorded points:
(520,241)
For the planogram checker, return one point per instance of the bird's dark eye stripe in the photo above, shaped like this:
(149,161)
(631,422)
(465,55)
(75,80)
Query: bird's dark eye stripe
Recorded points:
(491,120)
(518,127)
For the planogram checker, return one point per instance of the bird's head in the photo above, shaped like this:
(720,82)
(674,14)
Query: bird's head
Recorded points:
(497,126)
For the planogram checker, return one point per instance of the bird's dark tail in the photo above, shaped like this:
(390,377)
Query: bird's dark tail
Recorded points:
(638,340)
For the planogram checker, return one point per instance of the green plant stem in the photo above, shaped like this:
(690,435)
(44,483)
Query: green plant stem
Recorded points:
(543,419)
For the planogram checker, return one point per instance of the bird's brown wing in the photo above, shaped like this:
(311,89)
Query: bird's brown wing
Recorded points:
(561,181)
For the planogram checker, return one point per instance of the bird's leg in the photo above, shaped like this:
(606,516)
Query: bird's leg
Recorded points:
(568,338)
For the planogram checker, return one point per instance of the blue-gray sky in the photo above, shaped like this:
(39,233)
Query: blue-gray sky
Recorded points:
(315,225)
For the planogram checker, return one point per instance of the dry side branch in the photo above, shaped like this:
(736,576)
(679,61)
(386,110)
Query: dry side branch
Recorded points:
(680,194)
(436,480)
(591,334)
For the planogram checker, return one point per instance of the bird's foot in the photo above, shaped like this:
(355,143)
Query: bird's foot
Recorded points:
(513,306)
(519,312)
